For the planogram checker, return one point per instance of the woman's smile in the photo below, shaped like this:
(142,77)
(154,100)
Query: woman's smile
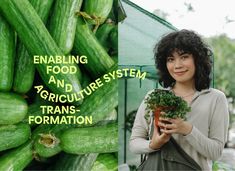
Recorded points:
(180,73)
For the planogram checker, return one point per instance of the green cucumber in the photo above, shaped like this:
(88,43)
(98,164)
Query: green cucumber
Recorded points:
(24,67)
(75,162)
(99,105)
(24,70)
(42,8)
(119,11)
(100,139)
(86,79)
(111,118)
(7,48)
(47,141)
(34,110)
(115,57)
(105,162)
(33,33)
(114,38)
(62,25)
(13,108)
(103,33)
(13,135)
(86,43)
(18,158)
(98,10)
(111,15)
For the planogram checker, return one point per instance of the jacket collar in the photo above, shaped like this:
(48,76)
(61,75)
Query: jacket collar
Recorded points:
(197,93)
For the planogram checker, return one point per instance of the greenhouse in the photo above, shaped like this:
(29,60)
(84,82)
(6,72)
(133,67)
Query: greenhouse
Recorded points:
(138,34)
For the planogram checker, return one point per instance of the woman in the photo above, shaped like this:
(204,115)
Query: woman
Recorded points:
(184,66)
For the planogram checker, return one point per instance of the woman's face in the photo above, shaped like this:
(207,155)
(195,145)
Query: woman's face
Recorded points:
(181,67)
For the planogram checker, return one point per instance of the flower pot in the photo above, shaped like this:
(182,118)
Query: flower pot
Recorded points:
(158,111)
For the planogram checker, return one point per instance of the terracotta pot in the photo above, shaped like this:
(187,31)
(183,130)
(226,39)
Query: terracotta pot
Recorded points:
(157,113)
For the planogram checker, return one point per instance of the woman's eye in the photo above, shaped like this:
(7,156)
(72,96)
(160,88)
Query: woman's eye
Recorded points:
(184,57)
(170,59)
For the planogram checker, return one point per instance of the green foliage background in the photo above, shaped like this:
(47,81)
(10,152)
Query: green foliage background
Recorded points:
(224,63)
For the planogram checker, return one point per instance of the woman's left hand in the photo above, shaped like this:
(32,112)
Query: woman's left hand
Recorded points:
(177,126)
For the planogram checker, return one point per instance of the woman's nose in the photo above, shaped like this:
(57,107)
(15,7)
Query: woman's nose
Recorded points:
(178,63)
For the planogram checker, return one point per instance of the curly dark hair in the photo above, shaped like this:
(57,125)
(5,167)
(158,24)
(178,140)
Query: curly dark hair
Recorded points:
(184,41)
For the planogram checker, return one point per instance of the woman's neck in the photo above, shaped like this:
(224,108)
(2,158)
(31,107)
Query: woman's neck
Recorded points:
(184,88)
(185,91)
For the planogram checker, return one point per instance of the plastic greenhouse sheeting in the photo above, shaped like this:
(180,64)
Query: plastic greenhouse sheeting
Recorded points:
(138,34)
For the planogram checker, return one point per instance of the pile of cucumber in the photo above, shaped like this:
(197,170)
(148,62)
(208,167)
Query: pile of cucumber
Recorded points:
(57,27)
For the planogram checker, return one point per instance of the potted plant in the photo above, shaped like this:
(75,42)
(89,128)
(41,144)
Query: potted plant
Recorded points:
(166,101)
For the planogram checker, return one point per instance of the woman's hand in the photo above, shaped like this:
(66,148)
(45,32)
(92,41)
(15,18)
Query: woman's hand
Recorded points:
(177,126)
(158,140)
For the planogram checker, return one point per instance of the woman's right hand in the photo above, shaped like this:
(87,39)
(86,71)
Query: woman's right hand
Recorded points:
(158,139)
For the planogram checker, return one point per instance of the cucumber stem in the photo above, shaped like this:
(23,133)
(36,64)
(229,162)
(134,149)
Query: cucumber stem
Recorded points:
(48,140)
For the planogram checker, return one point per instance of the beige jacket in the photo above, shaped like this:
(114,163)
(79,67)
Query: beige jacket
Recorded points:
(210,119)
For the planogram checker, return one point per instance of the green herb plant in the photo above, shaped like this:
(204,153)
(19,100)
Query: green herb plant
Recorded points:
(165,101)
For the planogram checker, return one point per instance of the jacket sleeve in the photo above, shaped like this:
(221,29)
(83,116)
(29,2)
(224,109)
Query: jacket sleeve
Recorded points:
(139,142)
(212,146)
